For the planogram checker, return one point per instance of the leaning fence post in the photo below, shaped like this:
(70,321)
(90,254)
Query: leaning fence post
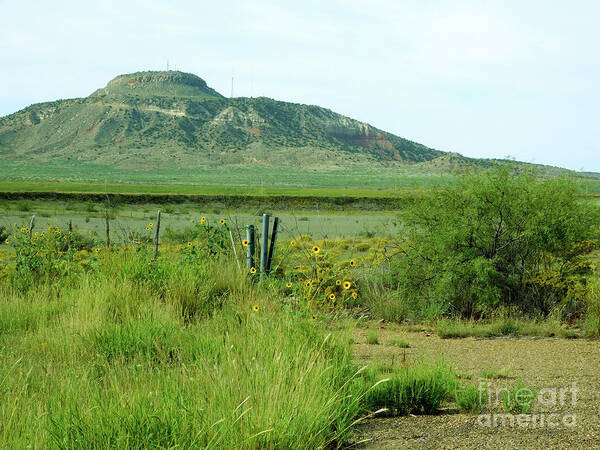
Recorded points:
(250,248)
(107,230)
(237,261)
(70,225)
(156,236)
(264,248)
(272,247)
(31,225)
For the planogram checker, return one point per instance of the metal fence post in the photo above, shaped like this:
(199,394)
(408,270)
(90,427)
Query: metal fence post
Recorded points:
(272,248)
(264,248)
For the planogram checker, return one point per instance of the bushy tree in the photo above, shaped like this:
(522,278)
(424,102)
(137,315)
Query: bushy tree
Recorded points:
(497,239)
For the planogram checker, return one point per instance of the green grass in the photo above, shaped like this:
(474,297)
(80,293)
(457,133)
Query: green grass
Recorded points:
(400,343)
(372,337)
(470,399)
(88,219)
(418,390)
(123,351)
(247,180)
(107,362)
(519,399)
(495,374)
(460,328)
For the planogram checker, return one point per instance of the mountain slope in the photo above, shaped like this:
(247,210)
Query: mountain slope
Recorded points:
(175,119)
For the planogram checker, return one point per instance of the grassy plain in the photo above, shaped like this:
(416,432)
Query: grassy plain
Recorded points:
(89,219)
(85,177)
(108,348)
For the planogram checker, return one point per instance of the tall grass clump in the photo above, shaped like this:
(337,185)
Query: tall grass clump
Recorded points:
(519,399)
(592,321)
(178,352)
(471,398)
(420,389)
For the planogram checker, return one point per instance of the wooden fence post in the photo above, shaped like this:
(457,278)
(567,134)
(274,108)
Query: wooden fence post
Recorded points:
(107,230)
(264,248)
(31,226)
(156,237)
(272,247)
(250,248)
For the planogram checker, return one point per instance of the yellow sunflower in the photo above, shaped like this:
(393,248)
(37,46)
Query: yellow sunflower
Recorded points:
(313,317)
(287,285)
(347,285)
(253,270)
(245,243)
(6,241)
(338,282)
(309,284)
(352,263)
(222,221)
(332,296)
(354,295)
(202,219)
(293,243)
(316,249)
(189,244)
(255,308)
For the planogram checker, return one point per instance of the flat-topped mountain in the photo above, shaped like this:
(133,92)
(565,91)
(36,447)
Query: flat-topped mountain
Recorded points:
(174,118)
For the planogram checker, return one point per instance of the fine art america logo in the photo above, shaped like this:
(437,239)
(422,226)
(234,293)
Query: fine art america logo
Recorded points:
(517,404)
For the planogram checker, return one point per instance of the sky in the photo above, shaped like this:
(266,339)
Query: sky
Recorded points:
(486,79)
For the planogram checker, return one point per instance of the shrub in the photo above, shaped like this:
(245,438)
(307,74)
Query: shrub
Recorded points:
(497,239)
(4,233)
(46,256)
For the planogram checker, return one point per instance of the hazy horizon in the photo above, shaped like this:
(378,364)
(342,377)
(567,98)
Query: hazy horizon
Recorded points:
(485,79)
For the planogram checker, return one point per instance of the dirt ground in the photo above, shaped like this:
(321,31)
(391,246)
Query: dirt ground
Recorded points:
(546,364)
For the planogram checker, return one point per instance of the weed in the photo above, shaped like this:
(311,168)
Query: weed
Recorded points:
(401,343)
(413,390)
(372,338)
(495,374)
(470,399)
(519,399)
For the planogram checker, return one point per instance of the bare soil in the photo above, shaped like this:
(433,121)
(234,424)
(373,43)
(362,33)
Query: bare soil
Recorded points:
(542,363)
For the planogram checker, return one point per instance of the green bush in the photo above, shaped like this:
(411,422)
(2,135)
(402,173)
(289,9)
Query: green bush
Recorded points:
(497,239)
